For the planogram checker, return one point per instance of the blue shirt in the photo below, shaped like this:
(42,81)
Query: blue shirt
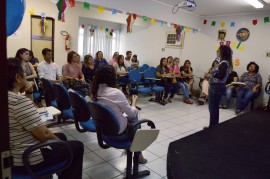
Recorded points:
(103,61)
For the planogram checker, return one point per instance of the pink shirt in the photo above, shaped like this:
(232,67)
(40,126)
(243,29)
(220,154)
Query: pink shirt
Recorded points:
(177,70)
(72,70)
(118,103)
(113,62)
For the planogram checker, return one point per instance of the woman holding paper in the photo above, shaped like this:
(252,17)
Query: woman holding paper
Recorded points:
(253,81)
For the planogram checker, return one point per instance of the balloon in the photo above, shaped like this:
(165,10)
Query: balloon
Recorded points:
(14,15)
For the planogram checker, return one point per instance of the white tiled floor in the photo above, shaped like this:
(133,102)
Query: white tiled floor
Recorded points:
(175,121)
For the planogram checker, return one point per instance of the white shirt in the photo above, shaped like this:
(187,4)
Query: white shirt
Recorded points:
(49,71)
(118,103)
(127,63)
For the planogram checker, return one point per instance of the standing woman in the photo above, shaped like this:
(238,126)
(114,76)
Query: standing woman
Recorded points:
(23,55)
(217,82)
(88,68)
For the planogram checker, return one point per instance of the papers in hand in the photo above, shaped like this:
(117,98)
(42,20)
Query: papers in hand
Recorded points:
(44,114)
(238,83)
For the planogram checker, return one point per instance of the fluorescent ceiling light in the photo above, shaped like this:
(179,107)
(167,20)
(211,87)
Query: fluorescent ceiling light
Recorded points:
(255,3)
(267,1)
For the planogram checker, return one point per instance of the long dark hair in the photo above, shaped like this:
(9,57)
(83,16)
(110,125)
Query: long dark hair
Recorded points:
(161,61)
(86,57)
(19,52)
(187,61)
(256,66)
(118,62)
(225,54)
(70,56)
(105,74)
(14,67)
(97,54)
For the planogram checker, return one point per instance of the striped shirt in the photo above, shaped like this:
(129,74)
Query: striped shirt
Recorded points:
(23,118)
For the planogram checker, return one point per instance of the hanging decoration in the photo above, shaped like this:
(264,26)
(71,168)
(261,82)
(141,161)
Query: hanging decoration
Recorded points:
(113,11)
(130,20)
(43,22)
(71,3)
(266,19)
(222,24)
(101,28)
(205,21)
(182,28)
(178,31)
(169,24)
(92,31)
(254,22)
(100,9)
(187,29)
(86,6)
(222,34)
(175,26)
(144,19)
(109,34)
(31,11)
(161,24)
(232,24)
(213,23)
(83,26)
(242,34)
(153,21)
(61,6)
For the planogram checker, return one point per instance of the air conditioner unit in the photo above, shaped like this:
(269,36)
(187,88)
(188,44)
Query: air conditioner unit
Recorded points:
(172,42)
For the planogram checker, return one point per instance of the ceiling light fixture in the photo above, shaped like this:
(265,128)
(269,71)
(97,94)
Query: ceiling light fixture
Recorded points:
(255,3)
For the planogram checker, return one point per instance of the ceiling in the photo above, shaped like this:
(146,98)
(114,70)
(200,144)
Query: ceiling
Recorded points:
(219,7)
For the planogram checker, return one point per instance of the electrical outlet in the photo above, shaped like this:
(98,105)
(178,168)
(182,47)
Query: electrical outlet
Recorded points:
(267,54)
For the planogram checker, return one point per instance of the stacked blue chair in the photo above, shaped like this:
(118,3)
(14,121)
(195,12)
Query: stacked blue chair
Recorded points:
(63,101)
(135,82)
(47,86)
(150,78)
(141,69)
(81,112)
(107,131)
(153,69)
(145,66)
(49,170)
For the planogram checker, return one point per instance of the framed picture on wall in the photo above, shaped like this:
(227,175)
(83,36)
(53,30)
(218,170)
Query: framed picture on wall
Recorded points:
(173,42)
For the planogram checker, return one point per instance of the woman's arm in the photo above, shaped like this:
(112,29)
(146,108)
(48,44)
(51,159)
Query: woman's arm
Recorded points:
(43,134)
(33,72)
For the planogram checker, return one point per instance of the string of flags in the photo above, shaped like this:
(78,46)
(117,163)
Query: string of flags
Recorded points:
(233,24)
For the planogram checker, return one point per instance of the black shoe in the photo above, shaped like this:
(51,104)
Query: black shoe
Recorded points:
(238,111)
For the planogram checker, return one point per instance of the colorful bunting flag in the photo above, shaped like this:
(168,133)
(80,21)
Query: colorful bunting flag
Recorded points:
(72,3)
(86,6)
(205,21)
(153,21)
(175,26)
(266,19)
(100,9)
(182,28)
(213,23)
(169,24)
(254,22)
(222,24)
(113,12)
(144,19)
(100,28)
(31,11)
(187,29)
(83,26)
(161,24)
(232,24)
(242,48)
(234,45)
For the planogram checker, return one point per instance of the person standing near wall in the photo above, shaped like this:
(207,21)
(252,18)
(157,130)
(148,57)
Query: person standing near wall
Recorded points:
(217,82)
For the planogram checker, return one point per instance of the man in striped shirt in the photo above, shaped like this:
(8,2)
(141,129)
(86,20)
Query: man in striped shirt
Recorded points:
(26,129)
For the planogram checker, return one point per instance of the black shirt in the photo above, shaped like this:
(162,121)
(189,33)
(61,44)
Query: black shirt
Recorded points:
(88,73)
(231,77)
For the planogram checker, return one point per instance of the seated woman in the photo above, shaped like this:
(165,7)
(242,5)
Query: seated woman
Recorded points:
(170,61)
(23,55)
(230,89)
(178,82)
(205,84)
(104,90)
(135,62)
(162,71)
(99,60)
(26,129)
(187,73)
(122,73)
(113,61)
(253,81)
(88,68)
(34,61)
(71,70)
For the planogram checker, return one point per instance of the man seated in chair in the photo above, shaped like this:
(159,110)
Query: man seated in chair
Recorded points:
(26,129)
(104,90)
(48,69)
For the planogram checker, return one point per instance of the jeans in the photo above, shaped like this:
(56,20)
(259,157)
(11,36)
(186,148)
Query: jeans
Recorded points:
(243,97)
(167,85)
(52,157)
(229,91)
(215,92)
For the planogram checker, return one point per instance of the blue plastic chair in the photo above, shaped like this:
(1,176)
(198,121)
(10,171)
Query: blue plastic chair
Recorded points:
(150,79)
(141,69)
(81,112)
(145,66)
(135,82)
(63,101)
(47,86)
(107,131)
(49,170)
(153,69)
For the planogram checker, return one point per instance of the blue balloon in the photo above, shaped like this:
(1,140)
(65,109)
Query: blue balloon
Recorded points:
(14,15)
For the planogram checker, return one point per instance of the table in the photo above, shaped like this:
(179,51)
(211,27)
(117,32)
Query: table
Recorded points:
(237,148)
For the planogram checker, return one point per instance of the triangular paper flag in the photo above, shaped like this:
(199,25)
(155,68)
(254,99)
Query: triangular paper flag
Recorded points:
(100,9)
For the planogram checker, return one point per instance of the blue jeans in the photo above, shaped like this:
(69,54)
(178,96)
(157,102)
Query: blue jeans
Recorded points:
(185,89)
(243,97)
(216,90)
(229,91)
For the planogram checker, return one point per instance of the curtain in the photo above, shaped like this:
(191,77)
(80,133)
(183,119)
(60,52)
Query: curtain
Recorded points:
(98,42)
